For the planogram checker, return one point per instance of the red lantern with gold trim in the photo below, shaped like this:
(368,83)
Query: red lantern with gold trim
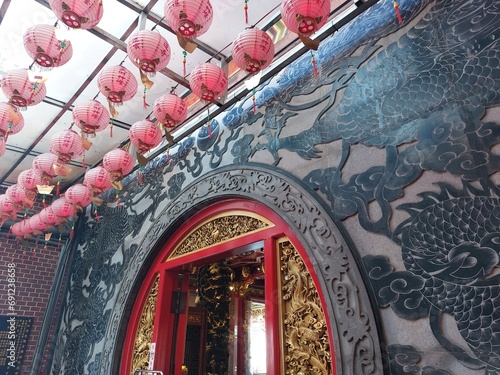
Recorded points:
(62,208)
(305,17)
(91,117)
(189,18)
(118,163)
(98,179)
(45,49)
(78,14)
(79,195)
(29,179)
(149,51)
(48,216)
(22,92)
(170,110)
(67,145)
(145,135)
(253,50)
(37,224)
(208,81)
(47,163)
(117,84)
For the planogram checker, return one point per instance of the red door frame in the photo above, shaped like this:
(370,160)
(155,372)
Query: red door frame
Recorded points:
(264,238)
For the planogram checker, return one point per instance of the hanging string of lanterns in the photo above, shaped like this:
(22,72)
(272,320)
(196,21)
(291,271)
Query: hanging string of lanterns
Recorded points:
(252,51)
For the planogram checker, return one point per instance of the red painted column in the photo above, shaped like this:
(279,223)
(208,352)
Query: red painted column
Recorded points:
(163,329)
(273,309)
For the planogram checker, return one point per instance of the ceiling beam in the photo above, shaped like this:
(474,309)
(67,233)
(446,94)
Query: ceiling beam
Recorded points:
(3,9)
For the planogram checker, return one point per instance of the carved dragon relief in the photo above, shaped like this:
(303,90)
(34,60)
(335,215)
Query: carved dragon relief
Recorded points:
(144,335)
(306,344)
(354,334)
(219,230)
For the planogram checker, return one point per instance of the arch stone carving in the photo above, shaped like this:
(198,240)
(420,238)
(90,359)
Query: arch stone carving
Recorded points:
(347,304)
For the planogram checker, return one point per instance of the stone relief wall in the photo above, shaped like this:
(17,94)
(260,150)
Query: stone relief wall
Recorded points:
(398,137)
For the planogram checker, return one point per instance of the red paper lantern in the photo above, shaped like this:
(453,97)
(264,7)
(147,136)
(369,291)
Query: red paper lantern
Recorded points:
(170,110)
(78,14)
(17,229)
(29,179)
(37,224)
(6,205)
(208,81)
(62,208)
(145,135)
(189,18)
(44,48)
(45,164)
(91,117)
(20,197)
(253,50)
(149,51)
(305,17)
(48,216)
(117,84)
(98,179)
(79,195)
(26,227)
(119,163)
(22,92)
(11,121)
(66,145)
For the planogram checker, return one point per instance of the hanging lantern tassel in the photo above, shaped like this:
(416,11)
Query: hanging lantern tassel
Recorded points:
(11,124)
(96,214)
(147,86)
(72,231)
(398,13)
(139,175)
(43,201)
(112,110)
(144,104)
(10,231)
(168,156)
(59,242)
(111,127)
(22,255)
(33,90)
(84,166)
(117,197)
(246,11)
(208,123)
(253,102)
(58,186)
(313,62)
(184,53)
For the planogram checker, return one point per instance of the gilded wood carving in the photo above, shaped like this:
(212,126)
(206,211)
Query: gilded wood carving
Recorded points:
(305,335)
(218,230)
(144,335)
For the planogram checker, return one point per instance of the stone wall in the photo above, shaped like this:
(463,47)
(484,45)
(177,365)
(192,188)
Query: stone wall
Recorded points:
(396,141)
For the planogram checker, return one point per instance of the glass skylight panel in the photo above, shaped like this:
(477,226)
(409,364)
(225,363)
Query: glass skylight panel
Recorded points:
(116,18)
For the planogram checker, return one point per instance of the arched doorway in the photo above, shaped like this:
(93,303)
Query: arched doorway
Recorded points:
(259,310)
(327,249)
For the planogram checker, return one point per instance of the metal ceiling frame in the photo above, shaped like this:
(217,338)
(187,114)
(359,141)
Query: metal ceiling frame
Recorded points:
(119,44)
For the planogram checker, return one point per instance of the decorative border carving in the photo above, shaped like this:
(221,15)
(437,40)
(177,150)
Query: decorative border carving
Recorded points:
(144,334)
(306,347)
(353,328)
(218,230)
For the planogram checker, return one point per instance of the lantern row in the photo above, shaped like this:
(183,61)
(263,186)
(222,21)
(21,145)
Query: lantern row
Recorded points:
(252,51)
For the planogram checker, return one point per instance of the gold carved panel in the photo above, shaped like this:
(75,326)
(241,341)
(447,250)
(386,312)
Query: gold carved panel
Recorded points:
(218,230)
(306,348)
(144,335)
